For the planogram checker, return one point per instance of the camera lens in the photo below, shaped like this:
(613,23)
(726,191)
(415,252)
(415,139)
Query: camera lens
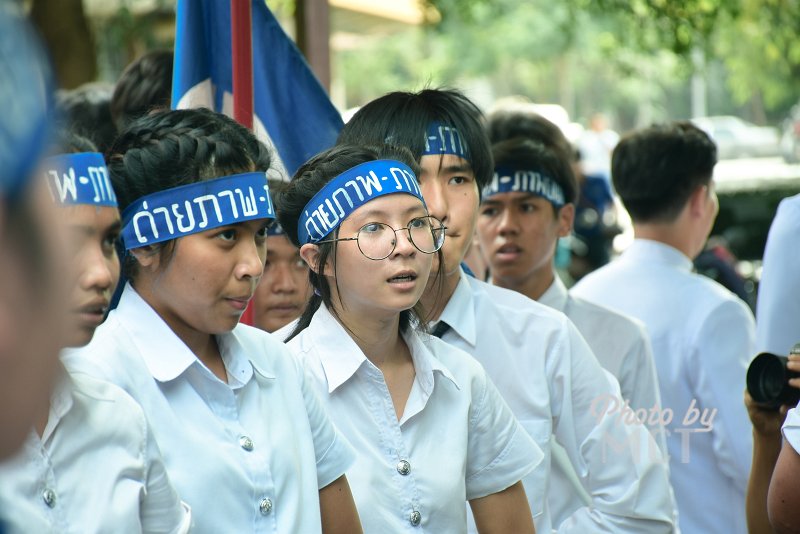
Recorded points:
(768,381)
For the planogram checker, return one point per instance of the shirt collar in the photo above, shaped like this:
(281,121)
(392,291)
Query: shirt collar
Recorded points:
(163,352)
(459,312)
(60,402)
(647,250)
(426,364)
(339,354)
(556,295)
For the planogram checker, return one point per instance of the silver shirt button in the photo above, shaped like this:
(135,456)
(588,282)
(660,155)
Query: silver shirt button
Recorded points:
(265,506)
(403,467)
(414,518)
(246,443)
(49,497)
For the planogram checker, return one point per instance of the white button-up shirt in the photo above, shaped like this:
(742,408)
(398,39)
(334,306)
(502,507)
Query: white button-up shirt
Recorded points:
(96,468)
(791,429)
(555,386)
(703,340)
(247,456)
(778,310)
(456,441)
(623,348)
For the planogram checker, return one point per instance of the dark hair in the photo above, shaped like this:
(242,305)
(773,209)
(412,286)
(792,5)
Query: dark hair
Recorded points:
(85,111)
(515,122)
(310,178)
(656,170)
(144,85)
(524,153)
(69,142)
(167,149)
(402,119)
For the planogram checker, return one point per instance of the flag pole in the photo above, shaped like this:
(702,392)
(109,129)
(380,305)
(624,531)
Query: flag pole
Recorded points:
(242,61)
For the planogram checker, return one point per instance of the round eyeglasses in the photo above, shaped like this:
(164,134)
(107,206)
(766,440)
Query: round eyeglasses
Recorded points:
(377,240)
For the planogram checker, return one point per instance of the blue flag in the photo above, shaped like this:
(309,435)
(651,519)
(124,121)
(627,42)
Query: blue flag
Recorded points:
(292,112)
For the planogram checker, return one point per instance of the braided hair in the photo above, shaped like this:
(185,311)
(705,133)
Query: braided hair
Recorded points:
(171,148)
(309,179)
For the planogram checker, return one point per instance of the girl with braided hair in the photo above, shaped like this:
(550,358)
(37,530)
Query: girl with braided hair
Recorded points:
(245,440)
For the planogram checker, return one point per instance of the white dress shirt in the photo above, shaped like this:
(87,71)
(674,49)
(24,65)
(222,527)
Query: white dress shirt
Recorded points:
(555,386)
(778,309)
(623,348)
(96,468)
(247,456)
(703,340)
(791,429)
(456,440)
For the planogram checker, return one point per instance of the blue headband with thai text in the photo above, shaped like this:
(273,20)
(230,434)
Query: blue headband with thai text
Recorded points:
(442,139)
(196,207)
(349,191)
(79,179)
(511,180)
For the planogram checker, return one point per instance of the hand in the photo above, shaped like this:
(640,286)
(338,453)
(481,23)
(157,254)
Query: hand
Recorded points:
(766,422)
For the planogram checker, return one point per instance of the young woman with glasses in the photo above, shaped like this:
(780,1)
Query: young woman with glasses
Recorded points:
(431,430)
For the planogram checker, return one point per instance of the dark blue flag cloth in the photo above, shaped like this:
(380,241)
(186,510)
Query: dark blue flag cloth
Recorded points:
(292,112)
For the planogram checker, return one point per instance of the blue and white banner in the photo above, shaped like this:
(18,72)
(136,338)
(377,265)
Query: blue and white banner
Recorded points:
(441,139)
(79,179)
(197,207)
(509,180)
(292,113)
(349,191)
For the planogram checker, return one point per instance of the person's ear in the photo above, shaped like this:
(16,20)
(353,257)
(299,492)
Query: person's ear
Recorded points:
(566,218)
(147,257)
(698,201)
(310,254)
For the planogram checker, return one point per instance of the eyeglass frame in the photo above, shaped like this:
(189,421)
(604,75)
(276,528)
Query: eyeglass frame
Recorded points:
(442,228)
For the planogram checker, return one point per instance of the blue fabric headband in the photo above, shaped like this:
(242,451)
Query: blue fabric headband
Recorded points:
(275,229)
(441,139)
(230,200)
(511,180)
(334,203)
(79,179)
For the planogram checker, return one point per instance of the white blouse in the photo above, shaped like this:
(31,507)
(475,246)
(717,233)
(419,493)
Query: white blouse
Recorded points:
(96,468)
(247,456)
(456,440)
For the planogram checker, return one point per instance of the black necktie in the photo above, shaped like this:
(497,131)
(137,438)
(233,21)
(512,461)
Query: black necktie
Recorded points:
(440,329)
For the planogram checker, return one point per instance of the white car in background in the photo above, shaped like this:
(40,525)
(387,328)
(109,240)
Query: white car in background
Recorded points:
(737,138)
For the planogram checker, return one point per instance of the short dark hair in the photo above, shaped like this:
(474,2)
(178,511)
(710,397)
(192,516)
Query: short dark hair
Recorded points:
(515,122)
(144,85)
(655,170)
(167,149)
(402,118)
(524,153)
(86,111)
(309,179)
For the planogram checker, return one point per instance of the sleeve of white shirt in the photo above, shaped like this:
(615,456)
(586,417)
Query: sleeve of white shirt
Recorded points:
(499,451)
(791,429)
(334,454)
(638,373)
(723,349)
(778,309)
(619,464)
(161,509)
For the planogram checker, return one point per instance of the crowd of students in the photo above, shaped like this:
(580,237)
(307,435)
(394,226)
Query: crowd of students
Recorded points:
(384,387)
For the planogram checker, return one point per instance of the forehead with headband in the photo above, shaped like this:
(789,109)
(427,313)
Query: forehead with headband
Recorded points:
(533,181)
(442,139)
(194,208)
(79,179)
(349,191)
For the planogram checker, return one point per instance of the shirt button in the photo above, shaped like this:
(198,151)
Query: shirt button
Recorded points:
(265,506)
(49,497)
(403,467)
(246,443)
(414,518)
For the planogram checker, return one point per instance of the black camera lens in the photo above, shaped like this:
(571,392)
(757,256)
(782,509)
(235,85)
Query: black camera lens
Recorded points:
(768,381)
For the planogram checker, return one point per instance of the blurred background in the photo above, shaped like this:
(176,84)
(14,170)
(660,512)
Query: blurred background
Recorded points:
(732,66)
